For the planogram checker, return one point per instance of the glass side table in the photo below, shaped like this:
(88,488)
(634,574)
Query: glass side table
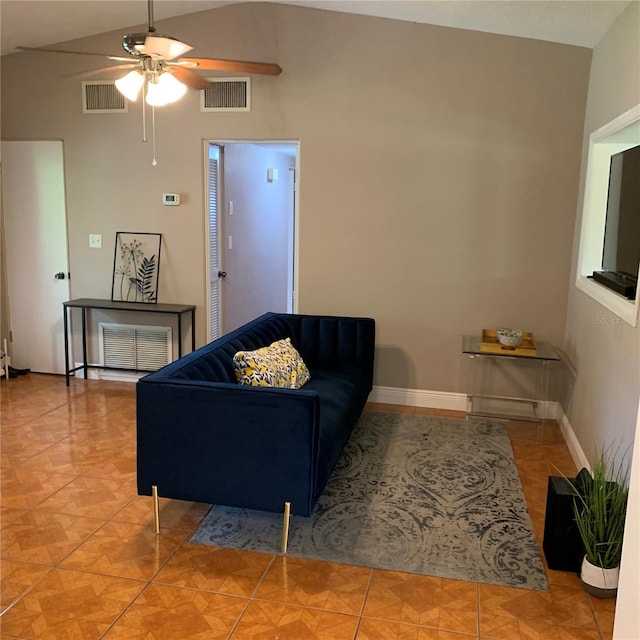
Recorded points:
(481,403)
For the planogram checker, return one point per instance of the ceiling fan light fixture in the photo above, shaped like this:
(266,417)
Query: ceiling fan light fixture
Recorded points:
(165,90)
(129,86)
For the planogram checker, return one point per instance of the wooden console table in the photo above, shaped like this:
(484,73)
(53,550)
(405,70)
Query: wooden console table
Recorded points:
(83,304)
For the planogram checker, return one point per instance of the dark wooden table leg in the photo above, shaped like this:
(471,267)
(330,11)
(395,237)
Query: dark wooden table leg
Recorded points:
(65,323)
(84,343)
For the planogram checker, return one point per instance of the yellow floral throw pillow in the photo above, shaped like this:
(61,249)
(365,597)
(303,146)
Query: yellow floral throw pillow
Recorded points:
(278,365)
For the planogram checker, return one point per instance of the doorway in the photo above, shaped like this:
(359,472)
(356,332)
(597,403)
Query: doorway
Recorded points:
(251,231)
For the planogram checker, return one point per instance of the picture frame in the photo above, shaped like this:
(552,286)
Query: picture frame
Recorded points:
(136,267)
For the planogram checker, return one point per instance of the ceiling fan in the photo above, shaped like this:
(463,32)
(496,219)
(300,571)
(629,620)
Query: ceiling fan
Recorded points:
(158,69)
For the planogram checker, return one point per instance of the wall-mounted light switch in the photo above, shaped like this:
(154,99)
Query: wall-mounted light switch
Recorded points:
(95,240)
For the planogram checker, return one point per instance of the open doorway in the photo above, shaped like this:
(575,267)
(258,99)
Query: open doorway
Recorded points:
(251,231)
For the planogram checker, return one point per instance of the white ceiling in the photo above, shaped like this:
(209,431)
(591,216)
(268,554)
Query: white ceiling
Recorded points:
(37,23)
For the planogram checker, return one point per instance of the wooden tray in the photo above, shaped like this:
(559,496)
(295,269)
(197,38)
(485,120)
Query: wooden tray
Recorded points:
(490,344)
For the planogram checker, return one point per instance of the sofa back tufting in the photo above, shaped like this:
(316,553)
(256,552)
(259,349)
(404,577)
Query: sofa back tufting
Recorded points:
(214,362)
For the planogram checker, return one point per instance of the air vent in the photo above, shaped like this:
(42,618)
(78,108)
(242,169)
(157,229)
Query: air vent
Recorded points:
(132,346)
(226,94)
(102,97)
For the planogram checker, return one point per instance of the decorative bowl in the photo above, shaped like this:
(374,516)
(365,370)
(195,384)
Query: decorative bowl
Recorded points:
(509,337)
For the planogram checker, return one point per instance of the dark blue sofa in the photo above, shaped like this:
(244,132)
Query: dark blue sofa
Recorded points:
(204,437)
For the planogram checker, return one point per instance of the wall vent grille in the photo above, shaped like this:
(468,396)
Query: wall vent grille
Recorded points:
(133,346)
(102,97)
(226,94)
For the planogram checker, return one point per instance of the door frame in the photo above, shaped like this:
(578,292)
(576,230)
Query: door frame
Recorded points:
(295,249)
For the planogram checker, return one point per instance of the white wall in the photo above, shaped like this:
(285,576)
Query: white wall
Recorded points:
(627,620)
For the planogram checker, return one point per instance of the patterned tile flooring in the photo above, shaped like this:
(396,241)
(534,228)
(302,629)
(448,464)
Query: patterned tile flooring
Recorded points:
(80,561)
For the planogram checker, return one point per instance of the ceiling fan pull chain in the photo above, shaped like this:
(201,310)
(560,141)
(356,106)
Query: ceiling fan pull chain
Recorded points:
(153,135)
(144,113)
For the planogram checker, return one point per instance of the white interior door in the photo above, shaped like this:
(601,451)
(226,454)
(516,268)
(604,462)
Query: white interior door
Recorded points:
(35,225)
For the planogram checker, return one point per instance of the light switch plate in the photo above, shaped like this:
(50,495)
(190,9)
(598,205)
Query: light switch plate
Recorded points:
(95,240)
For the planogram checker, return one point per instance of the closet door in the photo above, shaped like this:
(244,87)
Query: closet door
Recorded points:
(35,244)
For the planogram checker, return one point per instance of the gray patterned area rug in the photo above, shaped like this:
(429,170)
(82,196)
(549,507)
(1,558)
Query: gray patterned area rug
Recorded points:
(420,494)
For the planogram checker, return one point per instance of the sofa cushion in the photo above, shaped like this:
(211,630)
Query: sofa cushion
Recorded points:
(278,365)
(341,403)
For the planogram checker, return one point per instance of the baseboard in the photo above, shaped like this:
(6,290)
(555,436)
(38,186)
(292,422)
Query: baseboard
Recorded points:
(419,398)
(577,454)
(108,374)
(549,410)
(440,400)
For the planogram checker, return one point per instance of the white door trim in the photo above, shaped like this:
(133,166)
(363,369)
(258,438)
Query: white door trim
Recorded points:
(294,257)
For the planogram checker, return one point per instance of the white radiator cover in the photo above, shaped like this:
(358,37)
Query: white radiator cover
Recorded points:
(134,346)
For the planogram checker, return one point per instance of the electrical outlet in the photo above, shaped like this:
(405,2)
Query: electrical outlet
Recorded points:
(95,240)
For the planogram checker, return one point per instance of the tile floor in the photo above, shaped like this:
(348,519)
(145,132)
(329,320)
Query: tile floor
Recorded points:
(80,560)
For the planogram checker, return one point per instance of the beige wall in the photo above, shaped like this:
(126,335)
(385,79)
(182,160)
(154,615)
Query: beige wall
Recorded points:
(438,183)
(605,350)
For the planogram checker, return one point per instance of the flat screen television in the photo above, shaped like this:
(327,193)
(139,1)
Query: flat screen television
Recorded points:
(621,250)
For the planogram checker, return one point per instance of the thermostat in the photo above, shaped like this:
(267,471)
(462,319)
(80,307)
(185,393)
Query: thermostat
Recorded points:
(171,199)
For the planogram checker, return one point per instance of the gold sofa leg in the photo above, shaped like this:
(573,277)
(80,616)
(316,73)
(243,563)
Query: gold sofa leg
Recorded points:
(156,509)
(285,527)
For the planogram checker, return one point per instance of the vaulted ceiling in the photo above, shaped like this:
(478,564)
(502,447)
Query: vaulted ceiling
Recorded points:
(37,23)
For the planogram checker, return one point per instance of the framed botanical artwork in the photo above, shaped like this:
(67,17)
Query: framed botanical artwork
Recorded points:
(136,265)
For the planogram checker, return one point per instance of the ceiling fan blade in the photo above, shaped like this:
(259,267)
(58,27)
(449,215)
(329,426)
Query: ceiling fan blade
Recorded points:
(189,78)
(79,53)
(93,72)
(210,64)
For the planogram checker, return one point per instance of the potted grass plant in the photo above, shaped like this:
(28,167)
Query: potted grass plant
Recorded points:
(600,509)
